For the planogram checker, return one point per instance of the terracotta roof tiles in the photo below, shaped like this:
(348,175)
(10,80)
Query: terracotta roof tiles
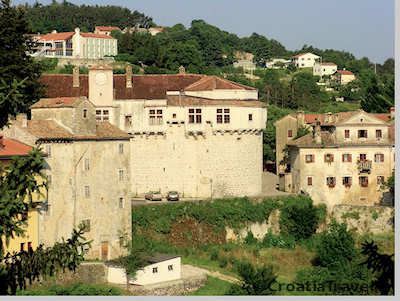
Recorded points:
(10,147)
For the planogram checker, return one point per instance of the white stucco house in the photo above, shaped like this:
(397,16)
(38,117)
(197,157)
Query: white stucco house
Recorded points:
(326,68)
(305,60)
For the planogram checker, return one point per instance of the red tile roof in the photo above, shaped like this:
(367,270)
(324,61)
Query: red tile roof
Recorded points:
(95,35)
(11,147)
(328,64)
(107,28)
(57,102)
(345,72)
(59,36)
(144,86)
(175,100)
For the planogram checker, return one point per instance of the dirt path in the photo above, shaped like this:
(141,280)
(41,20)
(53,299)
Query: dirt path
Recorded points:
(190,271)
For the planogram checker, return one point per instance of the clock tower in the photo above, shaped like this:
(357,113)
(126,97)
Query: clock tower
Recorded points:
(101,86)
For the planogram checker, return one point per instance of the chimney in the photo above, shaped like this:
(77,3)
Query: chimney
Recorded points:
(22,119)
(392,112)
(300,118)
(328,117)
(317,133)
(54,31)
(1,141)
(75,77)
(128,75)
(182,70)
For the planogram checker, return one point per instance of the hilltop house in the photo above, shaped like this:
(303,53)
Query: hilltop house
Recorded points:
(324,69)
(343,77)
(105,30)
(77,45)
(343,159)
(305,60)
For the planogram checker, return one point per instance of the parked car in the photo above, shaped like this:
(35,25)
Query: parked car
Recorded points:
(153,196)
(173,196)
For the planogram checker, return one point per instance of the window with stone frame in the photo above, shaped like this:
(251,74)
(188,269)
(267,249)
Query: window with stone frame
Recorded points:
(309,158)
(378,134)
(120,174)
(328,158)
(250,117)
(346,134)
(102,115)
(379,158)
(194,115)
(363,180)
(309,181)
(347,181)
(121,203)
(121,148)
(84,115)
(223,116)
(363,157)
(128,120)
(170,267)
(346,158)
(87,192)
(331,182)
(86,164)
(155,116)
(290,133)
(362,133)
(155,270)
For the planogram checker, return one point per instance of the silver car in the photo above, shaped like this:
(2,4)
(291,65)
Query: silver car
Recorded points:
(153,196)
(173,196)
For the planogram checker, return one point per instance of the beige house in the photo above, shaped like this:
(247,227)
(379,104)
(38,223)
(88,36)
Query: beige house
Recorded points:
(88,172)
(305,60)
(324,69)
(105,30)
(343,77)
(343,160)
(196,134)
(77,45)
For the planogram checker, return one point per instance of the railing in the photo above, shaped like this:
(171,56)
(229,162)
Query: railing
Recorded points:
(364,166)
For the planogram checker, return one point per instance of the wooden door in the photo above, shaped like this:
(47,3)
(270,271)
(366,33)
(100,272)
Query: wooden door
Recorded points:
(104,250)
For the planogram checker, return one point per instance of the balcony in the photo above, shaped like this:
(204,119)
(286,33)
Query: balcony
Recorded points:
(364,166)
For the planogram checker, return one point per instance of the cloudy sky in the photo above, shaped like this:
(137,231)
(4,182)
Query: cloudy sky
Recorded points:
(363,27)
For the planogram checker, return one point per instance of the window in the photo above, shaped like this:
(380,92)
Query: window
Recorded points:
(86,165)
(362,134)
(331,182)
(309,158)
(128,120)
(346,157)
(121,174)
(309,181)
(363,181)
(346,134)
(121,203)
(250,117)
(22,246)
(121,148)
(170,267)
(380,180)
(29,245)
(84,113)
(290,133)
(378,134)
(223,115)
(87,191)
(48,150)
(328,158)
(379,158)
(347,181)
(194,115)
(155,117)
(102,115)
(174,115)
(363,157)
(86,225)
(155,270)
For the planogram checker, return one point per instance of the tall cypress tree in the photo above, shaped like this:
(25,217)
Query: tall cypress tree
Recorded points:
(16,66)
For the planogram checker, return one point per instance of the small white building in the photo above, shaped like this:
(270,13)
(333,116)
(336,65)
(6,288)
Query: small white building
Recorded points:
(343,77)
(247,65)
(160,268)
(277,64)
(305,60)
(322,69)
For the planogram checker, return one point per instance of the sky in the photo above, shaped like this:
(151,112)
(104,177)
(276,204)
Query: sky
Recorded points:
(362,27)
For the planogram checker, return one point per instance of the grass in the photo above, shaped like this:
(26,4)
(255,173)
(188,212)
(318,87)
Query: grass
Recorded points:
(212,287)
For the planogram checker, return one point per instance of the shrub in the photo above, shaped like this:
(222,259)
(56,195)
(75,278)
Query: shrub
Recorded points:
(223,262)
(214,255)
(352,214)
(279,241)
(255,280)
(76,289)
(299,218)
(336,247)
(374,215)
(250,239)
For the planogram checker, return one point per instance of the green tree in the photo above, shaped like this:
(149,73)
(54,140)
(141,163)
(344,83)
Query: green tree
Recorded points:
(336,247)
(255,281)
(17,69)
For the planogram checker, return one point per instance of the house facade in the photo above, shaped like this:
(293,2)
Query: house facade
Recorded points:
(324,69)
(77,44)
(343,77)
(88,173)
(10,148)
(344,159)
(305,60)
(105,30)
(277,64)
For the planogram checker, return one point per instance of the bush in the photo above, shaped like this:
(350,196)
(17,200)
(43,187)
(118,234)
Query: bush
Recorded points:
(250,239)
(77,289)
(336,247)
(214,255)
(279,241)
(223,262)
(299,218)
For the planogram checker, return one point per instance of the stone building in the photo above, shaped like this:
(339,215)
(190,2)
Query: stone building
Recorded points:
(88,173)
(324,69)
(343,77)
(343,159)
(196,134)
